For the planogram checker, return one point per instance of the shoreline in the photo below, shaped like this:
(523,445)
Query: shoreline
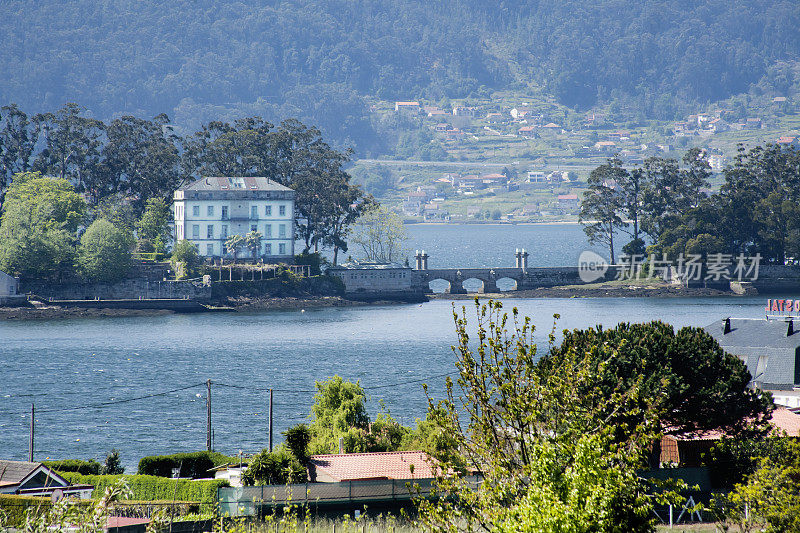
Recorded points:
(259,304)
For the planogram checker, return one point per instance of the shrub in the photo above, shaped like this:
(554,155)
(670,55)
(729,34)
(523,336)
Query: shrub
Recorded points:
(90,467)
(193,465)
(105,252)
(153,488)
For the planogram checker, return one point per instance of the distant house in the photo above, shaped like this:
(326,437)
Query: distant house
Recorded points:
(753,124)
(568,202)
(788,141)
(536,176)
(9,285)
(551,127)
(718,125)
(717,162)
(494,118)
(529,132)
(35,479)
(442,127)
(606,146)
(363,466)
(779,99)
(408,107)
(463,111)
(518,113)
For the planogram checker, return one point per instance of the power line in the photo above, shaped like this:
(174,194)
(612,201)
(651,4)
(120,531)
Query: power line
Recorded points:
(309,391)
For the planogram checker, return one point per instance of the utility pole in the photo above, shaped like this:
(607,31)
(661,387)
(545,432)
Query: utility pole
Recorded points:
(270,420)
(33,427)
(208,415)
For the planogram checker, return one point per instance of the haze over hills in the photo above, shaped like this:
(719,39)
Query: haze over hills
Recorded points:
(324,61)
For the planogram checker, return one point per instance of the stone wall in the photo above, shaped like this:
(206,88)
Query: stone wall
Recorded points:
(128,289)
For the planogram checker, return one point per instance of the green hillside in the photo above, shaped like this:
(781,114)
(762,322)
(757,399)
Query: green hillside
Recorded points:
(327,61)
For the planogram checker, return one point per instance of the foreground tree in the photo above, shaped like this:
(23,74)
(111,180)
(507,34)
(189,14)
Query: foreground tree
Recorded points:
(540,435)
(381,235)
(105,252)
(685,377)
(37,231)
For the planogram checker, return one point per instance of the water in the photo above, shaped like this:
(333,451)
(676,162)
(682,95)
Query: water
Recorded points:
(65,365)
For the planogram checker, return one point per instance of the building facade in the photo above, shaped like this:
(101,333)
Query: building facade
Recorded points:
(210,210)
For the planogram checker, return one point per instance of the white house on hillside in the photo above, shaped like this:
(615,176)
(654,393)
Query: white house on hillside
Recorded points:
(212,209)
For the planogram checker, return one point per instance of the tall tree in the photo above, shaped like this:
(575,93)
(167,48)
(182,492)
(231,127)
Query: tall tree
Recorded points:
(17,142)
(381,235)
(602,204)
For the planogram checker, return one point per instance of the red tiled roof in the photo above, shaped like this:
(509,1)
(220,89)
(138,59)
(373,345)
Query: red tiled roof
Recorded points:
(567,196)
(382,465)
(122,521)
(782,419)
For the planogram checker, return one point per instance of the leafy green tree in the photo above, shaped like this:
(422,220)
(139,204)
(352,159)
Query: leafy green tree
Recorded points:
(154,224)
(539,434)
(339,411)
(186,253)
(602,204)
(234,244)
(684,377)
(298,438)
(274,468)
(105,252)
(381,235)
(37,230)
(769,500)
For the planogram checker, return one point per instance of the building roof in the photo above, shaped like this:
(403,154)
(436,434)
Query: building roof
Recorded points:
(249,183)
(14,472)
(782,419)
(355,265)
(567,196)
(381,465)
(768,346)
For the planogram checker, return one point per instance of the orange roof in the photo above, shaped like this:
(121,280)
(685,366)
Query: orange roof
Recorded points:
(785,140)
(567,196)
(782,419)
(381,465)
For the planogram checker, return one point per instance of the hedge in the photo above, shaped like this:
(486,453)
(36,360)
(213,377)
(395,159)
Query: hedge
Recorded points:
(152,488)
(193,465)
(90,467)
(13,508)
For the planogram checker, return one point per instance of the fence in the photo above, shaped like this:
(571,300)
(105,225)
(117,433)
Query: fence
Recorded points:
(254,501)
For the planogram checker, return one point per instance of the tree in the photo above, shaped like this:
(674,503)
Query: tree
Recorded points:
(253,242)
(154,224)
(17,141)
(233,244)
(185,253)
(539,434)
(298,438)
(274,468)
(339,411)
(105,252)
(685,377)
(112,464)
(602,204)
(770,498)
(37,230)
(381,235)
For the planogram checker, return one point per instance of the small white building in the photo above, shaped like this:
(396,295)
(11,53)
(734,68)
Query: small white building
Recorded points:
(374,277)
(9,285)
(212,209)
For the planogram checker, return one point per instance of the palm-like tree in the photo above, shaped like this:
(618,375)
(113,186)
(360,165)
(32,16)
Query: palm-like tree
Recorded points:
(254,243)
(234,244)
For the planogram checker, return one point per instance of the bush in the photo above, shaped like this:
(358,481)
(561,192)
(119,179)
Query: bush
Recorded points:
(13,508)
(185,252)
(314,260)
(153,488)
(193,465)
(105,252)
(274,468)
(90,467)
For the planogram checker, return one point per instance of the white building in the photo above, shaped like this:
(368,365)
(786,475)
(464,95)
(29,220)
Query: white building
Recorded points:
(9,285)
(212,209)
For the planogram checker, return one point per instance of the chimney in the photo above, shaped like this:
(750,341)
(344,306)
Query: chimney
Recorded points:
(727,326)
(341,445)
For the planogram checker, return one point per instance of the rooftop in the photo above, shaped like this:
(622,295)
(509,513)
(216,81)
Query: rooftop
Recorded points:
(381,465)
(248,183)
(13,472)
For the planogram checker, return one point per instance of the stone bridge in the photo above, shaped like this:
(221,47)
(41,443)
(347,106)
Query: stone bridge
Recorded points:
(524,278)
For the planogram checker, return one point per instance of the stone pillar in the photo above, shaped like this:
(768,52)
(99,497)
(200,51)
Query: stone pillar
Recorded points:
(417,260)
(523,255)
(490,286)
(517,259)
(424,258)
(456,287)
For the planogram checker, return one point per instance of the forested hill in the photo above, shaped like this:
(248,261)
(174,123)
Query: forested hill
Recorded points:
(199,60)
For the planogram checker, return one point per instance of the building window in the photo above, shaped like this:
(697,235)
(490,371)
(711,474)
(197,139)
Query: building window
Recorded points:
(254,212)
(195,210)
(268,210)
(209,250)
(268,249)
(224,212)
(224,234)
(282,230)
(210,211)
(282,210)
(210,231)
(282,249)
(253,227)
(195,231)
(268,231)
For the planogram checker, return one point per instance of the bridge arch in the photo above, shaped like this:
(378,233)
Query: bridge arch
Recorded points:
(507,284)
